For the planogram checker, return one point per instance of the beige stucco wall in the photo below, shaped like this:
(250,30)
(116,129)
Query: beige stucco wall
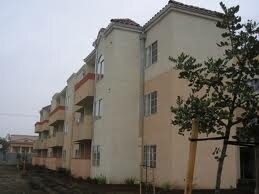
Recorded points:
(117,131)
(173,149)
(179,32)
(80,167)
(197,36)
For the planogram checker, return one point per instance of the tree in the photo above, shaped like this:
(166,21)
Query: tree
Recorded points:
(4,144)
(222,87)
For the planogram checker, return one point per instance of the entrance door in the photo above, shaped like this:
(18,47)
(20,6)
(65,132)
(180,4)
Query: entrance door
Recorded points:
(247,163)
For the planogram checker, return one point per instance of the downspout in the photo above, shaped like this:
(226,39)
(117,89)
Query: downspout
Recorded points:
(141,104)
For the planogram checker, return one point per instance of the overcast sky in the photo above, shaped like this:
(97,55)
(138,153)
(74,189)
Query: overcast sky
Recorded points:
(42,42)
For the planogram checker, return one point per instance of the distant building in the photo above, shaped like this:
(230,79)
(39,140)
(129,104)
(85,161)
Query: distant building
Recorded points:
(21,143)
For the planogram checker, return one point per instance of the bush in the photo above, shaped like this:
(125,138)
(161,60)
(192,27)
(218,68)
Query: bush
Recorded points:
(89,180)
(166,186)
(130,181)
(94,181)
(63,171)
(101,180)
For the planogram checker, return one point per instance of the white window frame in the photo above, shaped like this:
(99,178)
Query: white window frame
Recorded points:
(98,109)
(99,69)
(150,104)
(149,54)
(64,153)
(96,155)
(150,152)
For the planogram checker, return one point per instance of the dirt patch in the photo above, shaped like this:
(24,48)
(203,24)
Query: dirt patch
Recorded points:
(43,181)
(11,182)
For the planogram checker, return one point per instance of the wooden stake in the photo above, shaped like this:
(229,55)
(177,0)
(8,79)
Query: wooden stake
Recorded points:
(192,156)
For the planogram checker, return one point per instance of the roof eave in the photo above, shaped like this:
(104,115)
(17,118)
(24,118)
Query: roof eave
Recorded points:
(168,8)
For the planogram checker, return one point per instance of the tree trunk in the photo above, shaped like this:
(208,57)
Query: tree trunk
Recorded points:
(221,162)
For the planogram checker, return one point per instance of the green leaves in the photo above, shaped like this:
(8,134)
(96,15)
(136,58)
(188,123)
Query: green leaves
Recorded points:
(219,88)
(4,144)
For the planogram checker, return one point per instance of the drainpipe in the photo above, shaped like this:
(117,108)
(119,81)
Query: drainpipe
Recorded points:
(141,103)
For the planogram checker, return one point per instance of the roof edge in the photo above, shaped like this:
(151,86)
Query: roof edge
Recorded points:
(177,6)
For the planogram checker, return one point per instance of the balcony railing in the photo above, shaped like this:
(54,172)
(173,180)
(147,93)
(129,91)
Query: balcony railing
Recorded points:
(41,126)
(84,90)
(83,129)
(80,167)
(57,115)
(57,140)
(53,163)
(40,144)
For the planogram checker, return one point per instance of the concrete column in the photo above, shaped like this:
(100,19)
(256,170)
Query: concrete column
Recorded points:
(20,149)
(11,149)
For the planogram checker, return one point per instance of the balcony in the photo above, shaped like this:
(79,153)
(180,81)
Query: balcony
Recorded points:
(36,145)
(38,160)
(57,116)
(41,126)
(57,140)
(84,90)
(80,167)
(40,144)
(83,129)
(53,163)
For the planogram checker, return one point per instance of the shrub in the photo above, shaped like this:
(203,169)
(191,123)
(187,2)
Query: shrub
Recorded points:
(88,180)
(101,180)
(94,181)
(166,186)
(130,181)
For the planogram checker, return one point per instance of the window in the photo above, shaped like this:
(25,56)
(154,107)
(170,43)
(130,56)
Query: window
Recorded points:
(81,118)
(99,108)
(64,154)
(96,155)
(66,128)
(100,68)
(150,156)
(67,100)
(247,163)
(151,54)
(150,101)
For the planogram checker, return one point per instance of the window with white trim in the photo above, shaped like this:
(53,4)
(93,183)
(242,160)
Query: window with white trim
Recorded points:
(150,156)
(151,54)
(99,108)
(66,128)
(150,101)
(99,69)
(96,155)
(64,155)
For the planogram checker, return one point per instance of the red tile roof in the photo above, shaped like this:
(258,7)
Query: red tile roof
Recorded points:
(125,21)
(193,8)
(181,6)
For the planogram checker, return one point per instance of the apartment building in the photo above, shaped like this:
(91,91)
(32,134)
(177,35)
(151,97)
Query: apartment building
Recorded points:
(113,118)
(41,145)
(83,118)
